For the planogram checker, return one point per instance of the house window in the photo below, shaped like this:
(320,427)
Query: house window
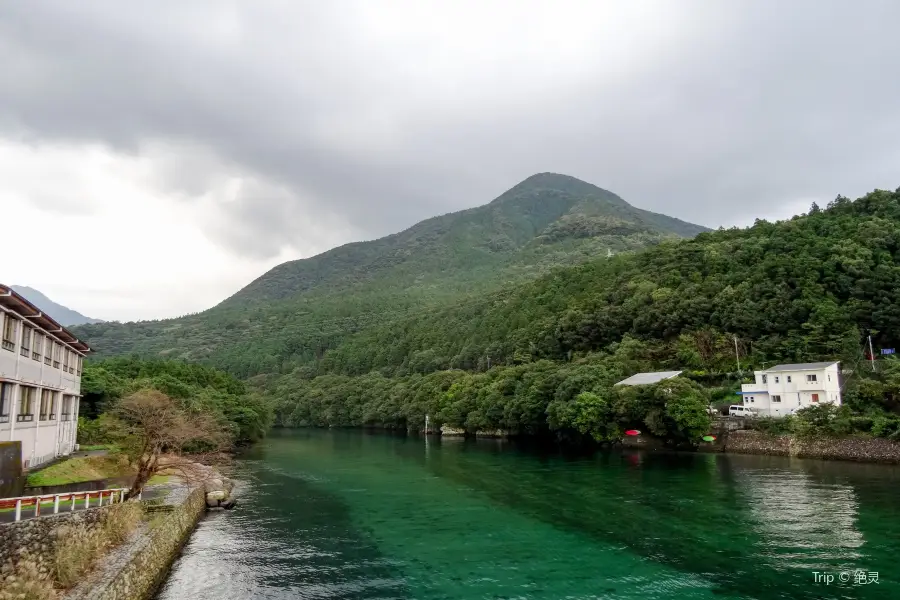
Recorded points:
(65,354)
(57,350)
(48,350)
(776,398)
(66,415)
(765,379)
(6,398)
(811,378)
(815,397)
(751,398)
(777,379)
(45,404)
(53,396)
(26,404)
(37,344)
(25,349)
(78,365)
(788,378)
(9,332)
(829,377)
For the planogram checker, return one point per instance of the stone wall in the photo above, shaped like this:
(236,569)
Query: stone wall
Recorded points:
(860,449)
(138,568)
(34,538)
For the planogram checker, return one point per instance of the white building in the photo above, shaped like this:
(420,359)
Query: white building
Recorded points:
(40,380)
(648,378)
(784,389)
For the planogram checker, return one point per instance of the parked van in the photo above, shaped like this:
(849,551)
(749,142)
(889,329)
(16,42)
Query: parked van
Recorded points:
(739,410)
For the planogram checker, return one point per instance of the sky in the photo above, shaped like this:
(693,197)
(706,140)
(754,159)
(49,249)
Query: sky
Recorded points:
(157,157)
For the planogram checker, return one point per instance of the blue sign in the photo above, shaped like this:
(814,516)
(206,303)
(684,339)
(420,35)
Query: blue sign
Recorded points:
(887,350)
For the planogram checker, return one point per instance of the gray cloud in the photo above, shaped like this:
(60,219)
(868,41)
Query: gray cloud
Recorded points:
(333,113)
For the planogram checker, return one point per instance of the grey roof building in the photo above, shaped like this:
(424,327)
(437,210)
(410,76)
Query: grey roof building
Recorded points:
(648,378)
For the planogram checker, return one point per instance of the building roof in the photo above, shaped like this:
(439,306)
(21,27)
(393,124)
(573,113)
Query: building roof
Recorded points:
(647,378)
(14,301)
(801,367)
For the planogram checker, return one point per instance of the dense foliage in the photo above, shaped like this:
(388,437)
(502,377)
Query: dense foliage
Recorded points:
(199,389)
(536,398)
(299,310)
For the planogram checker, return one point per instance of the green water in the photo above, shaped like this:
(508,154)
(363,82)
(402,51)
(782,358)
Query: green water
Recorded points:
(347,514)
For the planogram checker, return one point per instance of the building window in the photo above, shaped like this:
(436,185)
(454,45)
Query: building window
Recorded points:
(788,378)
(811,378)
(777,379)
(765,379)
(53,396)
(57,350)
(37,344)
(65,353)
(9,332)
(26,404)
(45,404)
(78,365)
(25,348)
(751,398)
(48,350)
(6,398)
(66,415)
(776,398)
(815,397)
(829,377)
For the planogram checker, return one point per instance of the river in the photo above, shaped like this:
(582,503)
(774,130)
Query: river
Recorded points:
(356,515)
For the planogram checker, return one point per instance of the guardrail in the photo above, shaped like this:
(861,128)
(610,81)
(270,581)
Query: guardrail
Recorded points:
(113,495)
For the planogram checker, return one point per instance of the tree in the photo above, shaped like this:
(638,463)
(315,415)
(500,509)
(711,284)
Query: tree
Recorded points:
(157,434)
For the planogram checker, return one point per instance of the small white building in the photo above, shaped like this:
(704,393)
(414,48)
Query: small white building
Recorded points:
(648,378)
(784,389)
(40,380)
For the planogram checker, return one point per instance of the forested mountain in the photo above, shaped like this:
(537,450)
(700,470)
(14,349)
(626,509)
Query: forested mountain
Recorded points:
(545,355)
(63,315)
(299,310)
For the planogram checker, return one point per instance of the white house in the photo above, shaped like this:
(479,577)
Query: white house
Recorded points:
(40,380)
(784,389)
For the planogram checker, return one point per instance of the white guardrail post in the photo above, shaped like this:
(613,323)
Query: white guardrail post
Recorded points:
(113,495)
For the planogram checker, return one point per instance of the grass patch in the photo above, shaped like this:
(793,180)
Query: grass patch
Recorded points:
(159,479)
(81,468)
(91,447)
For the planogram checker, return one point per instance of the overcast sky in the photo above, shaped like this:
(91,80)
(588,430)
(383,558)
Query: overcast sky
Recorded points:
(157,156)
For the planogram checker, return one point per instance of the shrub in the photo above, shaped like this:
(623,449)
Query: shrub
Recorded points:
(79,546)
(774,425)
(28,583)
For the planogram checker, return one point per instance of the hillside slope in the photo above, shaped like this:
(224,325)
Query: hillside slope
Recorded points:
(300,309)
(797,290)
(63,315)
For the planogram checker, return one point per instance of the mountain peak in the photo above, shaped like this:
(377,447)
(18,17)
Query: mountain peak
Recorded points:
(561,184)
(63,315)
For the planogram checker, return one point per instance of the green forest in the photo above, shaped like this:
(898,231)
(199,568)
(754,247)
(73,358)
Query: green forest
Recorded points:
(538,356)
(244,414)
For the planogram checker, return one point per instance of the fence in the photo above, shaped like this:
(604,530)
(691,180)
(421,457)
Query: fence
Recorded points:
(113,495)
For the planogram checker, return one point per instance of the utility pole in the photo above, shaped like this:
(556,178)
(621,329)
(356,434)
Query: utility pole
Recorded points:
(871,353)
(737,357)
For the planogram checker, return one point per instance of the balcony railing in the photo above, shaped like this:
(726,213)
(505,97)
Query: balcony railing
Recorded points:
(55,364)
(66,417)
(24,351)
(4,418)
(24,418)
(8,345)
(36,355)
(46,360)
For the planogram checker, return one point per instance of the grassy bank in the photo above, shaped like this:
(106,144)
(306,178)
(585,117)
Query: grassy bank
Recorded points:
(81,468)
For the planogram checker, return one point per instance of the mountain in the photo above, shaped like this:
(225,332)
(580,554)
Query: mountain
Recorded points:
(521,226)
(63,315)
(298,310)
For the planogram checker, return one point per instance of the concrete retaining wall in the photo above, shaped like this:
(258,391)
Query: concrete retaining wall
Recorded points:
(34,538)
(142,564)
(859,449)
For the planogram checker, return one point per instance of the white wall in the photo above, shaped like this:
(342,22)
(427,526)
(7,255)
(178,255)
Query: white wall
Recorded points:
(793,389)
